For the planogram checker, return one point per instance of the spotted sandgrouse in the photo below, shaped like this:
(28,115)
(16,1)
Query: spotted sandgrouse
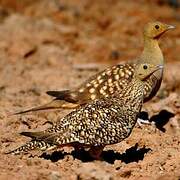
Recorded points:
(113,79)
(98,123)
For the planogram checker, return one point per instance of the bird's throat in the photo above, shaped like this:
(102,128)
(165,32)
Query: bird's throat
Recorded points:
(133,94)
(152,53)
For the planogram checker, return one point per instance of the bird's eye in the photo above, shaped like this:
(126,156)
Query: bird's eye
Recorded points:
(157,26)
(145,67)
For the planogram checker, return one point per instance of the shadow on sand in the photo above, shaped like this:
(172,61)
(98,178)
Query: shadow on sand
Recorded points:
(160,119)
(133,154)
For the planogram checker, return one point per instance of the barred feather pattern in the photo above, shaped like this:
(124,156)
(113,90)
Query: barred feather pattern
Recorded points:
(31,145)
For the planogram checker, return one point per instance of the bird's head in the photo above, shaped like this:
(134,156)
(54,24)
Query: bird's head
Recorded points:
(143,71)
(154,30)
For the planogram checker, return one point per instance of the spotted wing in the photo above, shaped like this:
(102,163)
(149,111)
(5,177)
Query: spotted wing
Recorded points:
(105,83)
(99,123)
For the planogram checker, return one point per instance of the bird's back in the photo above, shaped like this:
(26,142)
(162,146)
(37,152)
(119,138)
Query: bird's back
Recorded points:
(113,80)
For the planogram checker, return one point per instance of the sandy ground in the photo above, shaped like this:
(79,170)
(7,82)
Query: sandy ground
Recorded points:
(48,45)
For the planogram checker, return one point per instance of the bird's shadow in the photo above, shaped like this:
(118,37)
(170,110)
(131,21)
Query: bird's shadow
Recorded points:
(133,154)
(160,119)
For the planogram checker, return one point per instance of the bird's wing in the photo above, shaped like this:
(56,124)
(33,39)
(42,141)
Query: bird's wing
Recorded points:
(83,124)
(102,84)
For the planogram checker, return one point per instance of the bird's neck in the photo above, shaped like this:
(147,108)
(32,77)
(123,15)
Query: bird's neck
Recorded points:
(133,95)
(152,53)
(132,98)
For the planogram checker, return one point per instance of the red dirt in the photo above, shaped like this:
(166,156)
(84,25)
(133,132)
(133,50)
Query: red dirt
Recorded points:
(43,46)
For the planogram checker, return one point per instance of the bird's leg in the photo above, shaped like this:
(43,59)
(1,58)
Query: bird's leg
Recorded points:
(143,121)
(143,118)
(95,152)
(77,146)
(140,122)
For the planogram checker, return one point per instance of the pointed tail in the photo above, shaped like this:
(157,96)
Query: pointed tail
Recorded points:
(54,104)
(31,145)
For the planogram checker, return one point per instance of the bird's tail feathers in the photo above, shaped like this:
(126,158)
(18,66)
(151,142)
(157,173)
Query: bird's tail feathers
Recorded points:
(30,146)
(55,104)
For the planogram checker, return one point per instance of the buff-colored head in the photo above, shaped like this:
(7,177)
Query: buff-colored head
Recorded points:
(143,71)
(154,30)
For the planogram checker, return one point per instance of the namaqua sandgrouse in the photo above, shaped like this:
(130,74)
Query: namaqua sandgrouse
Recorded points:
(101,122)
(113,79)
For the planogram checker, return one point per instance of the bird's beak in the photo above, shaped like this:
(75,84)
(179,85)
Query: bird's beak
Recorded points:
(160,66)
(169,27)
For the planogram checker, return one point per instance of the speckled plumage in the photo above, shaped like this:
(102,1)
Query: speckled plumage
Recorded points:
(98,123)
(116,78)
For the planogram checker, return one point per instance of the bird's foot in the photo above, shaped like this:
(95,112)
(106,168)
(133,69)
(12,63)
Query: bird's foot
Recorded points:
(141,122)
